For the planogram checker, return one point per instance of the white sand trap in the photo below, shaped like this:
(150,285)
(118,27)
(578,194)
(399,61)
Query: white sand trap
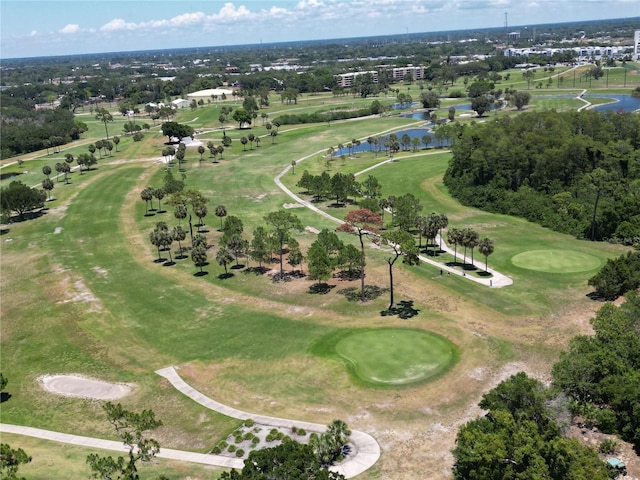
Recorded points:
(84,387)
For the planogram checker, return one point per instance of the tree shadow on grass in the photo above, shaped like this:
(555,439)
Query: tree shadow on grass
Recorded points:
(403,310)
(240,266)
(485,274)
(257,270)
(321,288)
(200,274)
(225,276)
(371,292)
(160,260)
(168,264)
(4,396)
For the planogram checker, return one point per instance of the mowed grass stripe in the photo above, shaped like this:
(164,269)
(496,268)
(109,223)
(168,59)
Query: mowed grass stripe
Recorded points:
(150,305)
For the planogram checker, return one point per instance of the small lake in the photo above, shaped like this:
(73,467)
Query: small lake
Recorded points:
(624,103)
(366,147)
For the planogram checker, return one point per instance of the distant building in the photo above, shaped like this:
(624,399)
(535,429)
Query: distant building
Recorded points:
(636,45)
(582,53)
(210,94)
(180,103)
(347,80)
(408,73)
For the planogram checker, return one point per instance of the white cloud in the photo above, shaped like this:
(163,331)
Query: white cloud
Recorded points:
(229,13)
(33,33)
(118,24)
(70,28)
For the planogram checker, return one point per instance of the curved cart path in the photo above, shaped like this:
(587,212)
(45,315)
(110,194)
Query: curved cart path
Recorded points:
(194,457)
(498,280)
(367,450)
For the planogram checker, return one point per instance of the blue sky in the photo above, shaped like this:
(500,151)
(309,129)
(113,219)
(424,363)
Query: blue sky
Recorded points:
(52,27)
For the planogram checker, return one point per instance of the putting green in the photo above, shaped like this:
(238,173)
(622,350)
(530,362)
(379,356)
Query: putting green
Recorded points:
(556,261)
(396,356)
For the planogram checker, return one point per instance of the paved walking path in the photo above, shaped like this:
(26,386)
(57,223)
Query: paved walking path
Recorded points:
(206,459)
(498,280)
(367,450)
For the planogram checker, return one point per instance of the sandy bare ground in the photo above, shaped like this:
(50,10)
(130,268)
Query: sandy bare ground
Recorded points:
(84,387)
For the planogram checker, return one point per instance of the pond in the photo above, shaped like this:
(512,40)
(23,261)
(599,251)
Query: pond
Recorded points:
(624,103)
(366,147)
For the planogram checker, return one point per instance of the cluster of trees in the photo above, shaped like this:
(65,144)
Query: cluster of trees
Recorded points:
(339,186)
(597,382)
(176,130)
(576,172)
(342,113)
(520,437)
(26,130)
(618,276)
(20,199)
(601,373)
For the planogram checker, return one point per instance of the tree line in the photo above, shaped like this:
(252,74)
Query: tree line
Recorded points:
(575,172)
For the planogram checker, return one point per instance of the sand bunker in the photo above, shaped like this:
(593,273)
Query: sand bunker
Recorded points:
(83,387)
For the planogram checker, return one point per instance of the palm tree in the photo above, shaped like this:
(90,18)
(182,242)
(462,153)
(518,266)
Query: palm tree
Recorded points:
(159,194)
(199,256)
(201,211)
(443,222)
(47,184)
(224,258)
(469,240)
(221,212)
(201,151)
(46,170)
(180,212)
(179,235)
(486,248)
(454,235)
(244,142)
(104,116)
(147,195)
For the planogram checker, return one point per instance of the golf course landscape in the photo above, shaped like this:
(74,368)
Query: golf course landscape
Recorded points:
(85,292)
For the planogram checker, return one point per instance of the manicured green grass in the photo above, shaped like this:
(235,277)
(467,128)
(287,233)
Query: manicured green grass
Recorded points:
(84,294)
(396,357)
(556,261)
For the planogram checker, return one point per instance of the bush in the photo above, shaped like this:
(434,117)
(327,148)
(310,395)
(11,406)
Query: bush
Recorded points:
(249,422)
(608,447)
(239,452)
(216,450)
(138,137)
(255,441)
(231,448)
(238,438)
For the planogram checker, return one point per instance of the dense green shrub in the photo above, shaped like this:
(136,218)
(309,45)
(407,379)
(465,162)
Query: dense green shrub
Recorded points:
(618,276)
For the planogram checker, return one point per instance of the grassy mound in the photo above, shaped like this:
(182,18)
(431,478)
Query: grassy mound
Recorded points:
(556,261)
